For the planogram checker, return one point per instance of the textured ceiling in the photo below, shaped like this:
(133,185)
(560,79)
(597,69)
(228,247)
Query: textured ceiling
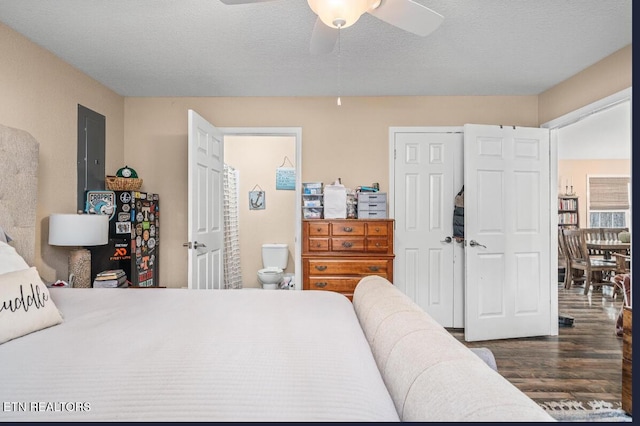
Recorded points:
(207,48)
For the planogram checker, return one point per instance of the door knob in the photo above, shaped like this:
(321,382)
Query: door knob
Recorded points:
(197,244)
(474,243)
(446,240)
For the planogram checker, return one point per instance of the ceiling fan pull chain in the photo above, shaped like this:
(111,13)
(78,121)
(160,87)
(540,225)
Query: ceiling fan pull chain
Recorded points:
(339,67)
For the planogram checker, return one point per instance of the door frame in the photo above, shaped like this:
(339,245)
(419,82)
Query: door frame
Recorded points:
(295,132)
(553,126)
(553,172)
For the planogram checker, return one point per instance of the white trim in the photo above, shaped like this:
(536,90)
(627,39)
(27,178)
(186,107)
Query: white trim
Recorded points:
(587,110)
(296,132)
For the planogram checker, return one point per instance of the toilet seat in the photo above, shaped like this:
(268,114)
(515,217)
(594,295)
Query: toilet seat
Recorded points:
(270,270)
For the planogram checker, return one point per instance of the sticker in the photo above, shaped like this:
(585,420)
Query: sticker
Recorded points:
(125,197)
(138,241)
(126,208)
(138,229)
(152,259)
(123,217)
(101,202)
(139,205)
(152,217)
(145,225)
(123,227)
(151,243)
(145,235)
(152,230)
(139,217)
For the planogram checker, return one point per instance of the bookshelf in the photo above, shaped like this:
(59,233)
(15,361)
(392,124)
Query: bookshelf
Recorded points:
(568,211)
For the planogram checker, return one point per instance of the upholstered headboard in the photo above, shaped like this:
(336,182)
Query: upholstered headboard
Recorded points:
(19,189)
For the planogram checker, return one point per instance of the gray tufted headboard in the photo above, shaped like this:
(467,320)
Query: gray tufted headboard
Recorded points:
(19,189)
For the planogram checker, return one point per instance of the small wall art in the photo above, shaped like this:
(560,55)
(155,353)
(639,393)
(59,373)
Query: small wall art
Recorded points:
(286,176)
(256,199)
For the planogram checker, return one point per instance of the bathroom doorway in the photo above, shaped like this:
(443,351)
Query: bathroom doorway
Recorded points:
(255,156)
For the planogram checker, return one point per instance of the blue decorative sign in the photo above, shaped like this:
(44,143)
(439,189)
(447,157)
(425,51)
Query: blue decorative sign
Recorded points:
(286,178)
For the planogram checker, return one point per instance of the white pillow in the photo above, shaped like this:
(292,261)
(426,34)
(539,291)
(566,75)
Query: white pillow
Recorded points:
(10,260)
(4,237)
(25,304)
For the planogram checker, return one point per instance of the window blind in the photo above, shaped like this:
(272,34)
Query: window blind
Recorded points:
(609,193)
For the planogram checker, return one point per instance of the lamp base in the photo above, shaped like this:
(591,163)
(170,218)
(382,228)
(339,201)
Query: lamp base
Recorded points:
(80,268)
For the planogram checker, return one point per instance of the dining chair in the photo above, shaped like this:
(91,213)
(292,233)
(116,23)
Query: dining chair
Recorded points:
(623,263)
(563,261)
(596,271)
(611,234)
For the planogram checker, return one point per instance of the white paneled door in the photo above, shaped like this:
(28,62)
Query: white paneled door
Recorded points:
(429,263)
(507,231)
(205,223)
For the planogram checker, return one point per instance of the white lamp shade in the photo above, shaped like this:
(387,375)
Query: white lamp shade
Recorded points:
(347,12)
(78,229)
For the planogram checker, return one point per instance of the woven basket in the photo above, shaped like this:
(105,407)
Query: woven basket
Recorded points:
(115,183)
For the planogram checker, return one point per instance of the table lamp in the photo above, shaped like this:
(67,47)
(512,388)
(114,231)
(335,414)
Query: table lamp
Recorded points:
(79,230)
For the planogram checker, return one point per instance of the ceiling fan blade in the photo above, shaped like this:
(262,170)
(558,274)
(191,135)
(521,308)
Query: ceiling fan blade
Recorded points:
(232,2)
(323,38)
(409,16)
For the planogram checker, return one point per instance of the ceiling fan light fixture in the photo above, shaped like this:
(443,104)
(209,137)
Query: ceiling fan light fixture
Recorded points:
(340,13)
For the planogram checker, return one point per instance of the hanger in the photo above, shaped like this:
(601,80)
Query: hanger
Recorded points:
(286,159)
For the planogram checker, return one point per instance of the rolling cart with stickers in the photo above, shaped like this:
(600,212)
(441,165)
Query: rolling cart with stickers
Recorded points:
(134,237)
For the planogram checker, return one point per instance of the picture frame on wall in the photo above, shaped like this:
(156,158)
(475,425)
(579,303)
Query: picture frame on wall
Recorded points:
(256,200)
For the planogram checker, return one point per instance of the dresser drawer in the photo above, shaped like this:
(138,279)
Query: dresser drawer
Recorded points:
(377,229)
(318,229)
(347,244)
(318,244)
(341,285)
(348,227)
(348,267)
(377,245)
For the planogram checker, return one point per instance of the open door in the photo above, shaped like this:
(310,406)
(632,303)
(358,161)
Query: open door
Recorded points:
(507,232)
(205,222)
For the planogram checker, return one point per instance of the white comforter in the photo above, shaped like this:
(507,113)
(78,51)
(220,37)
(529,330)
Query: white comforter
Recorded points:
(189,355)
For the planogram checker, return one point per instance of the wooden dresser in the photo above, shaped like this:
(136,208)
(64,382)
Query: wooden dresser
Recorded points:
(627,336)
(337,253)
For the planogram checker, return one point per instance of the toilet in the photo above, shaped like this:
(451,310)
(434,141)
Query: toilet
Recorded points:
(274,261)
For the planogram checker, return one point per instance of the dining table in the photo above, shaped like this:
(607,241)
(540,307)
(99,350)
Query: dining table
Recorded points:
(609,246)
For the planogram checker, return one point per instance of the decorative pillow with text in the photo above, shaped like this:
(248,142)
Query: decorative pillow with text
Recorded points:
(10,260)
(25,304)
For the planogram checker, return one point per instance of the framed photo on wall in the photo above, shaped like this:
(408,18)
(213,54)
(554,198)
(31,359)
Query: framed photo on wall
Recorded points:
(256,200)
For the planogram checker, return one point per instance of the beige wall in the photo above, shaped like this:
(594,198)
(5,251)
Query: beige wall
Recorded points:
(606,77)
(40,93)
(256,160)
(350,142)
(577,171)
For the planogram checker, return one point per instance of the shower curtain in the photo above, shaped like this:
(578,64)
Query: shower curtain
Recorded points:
(232,271)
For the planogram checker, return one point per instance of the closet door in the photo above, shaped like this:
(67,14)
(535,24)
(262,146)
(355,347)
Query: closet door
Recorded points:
(507,232)
(428,265)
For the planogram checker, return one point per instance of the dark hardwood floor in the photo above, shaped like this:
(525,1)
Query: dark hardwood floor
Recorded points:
(582,363)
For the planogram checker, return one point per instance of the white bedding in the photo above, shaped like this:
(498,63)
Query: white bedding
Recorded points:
(189,355)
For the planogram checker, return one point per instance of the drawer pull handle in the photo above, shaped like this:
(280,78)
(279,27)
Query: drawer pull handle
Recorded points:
(347,244)
(321,284)
(319,229)
(321,267)
(374,268)
(347,229)
(377,229)
(318,245)
(377,244)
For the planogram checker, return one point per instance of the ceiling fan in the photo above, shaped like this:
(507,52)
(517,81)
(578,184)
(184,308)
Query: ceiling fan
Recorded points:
(336,14)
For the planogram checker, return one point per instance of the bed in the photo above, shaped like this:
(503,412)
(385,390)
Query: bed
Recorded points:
(229,355)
